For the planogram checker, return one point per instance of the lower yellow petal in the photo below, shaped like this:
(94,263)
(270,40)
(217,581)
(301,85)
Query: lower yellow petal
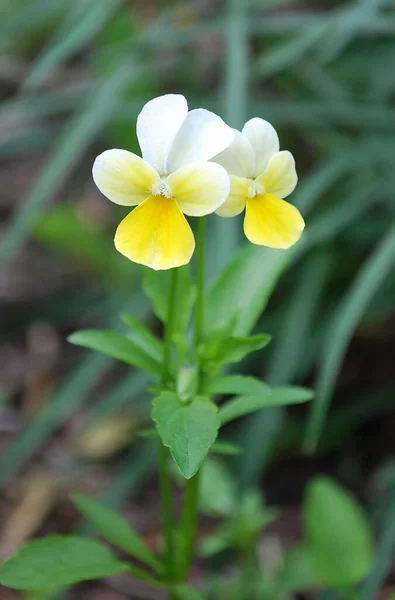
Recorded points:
(272,222)
(156,234)
(236,201)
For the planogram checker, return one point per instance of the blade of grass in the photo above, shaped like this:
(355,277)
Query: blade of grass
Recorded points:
(73,142)
(350,311)
(80,33)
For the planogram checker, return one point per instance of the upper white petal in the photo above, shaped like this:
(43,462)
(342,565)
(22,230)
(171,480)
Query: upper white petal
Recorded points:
(264,140)
(157,126)
(238,158)
(202,135)
(123,177)
(199,188)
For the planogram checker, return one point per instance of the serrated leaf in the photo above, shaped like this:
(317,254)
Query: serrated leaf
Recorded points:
(116,530)
(188,430)
(338,534)
(279,396)
(242,385)
(58,560)
(156,285)
(143,337)
(231,350)
(117,346)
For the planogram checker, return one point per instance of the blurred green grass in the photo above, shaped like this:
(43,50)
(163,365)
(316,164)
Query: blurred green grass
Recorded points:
(75,76)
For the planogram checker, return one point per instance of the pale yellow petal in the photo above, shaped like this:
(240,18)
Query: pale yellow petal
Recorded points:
(280,176)
(123,177)
(199,188)
(270,221)
(156,234)
(236,201)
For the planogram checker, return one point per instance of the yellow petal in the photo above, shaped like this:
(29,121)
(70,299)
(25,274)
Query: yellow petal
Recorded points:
(123,177)
(199,188)
(156,234)
(270,221)
(236,201)
(280,176)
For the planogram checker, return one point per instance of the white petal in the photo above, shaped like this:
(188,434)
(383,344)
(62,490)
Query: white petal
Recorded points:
(280,177)
(264,140)
(199,188)
(238,158)
(201,136)
(123,177)
(157,126)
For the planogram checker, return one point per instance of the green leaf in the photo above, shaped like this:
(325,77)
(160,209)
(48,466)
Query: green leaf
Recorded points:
(225,448)
(338,534)
(217,489)
(218,352)
(143,337)
(279,396)
(368,281)
(58,560)
(243,385)
(298,573)
(156,285)
(116,530)
(184,592)
(242,290)
(63,228)
(117,346)
(188,430)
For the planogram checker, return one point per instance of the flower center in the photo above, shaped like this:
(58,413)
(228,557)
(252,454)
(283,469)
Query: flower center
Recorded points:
(160,188)
(255,190)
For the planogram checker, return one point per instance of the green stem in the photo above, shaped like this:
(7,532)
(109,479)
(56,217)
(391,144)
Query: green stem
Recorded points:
(171,313)
(166,501)
(164,473)
(189,522)
(199,311)
(189,514)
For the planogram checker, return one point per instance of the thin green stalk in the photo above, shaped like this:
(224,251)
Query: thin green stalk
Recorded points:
(164,473)
(199,312)
(166,502)
(169,326)
(189,515)
(189,521)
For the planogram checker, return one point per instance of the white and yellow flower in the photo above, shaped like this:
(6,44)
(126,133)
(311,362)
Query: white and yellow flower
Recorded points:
(261,176)
(173,179)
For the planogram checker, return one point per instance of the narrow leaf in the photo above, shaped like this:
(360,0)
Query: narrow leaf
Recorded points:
(338,534)
(242,290)
(350,311)
(183,592)
(232,349)
(188,430)
(142,336)
(117,346)
(226,449)
(58,560)
(116,530)
(243,385)
(244,405)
